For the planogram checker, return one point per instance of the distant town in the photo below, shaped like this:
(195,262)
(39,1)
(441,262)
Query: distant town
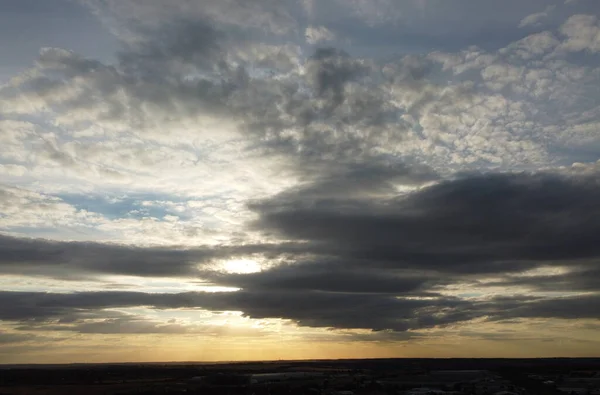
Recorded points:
(340,377)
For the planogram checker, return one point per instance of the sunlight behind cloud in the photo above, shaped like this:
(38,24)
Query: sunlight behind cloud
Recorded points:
(241,266)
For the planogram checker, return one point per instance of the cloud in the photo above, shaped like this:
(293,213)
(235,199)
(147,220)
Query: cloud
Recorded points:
(25,208)
(317,34)
(76,259)
(362,180)
(371,252)
(90,312)
(349,311)
(370,248)
(311,309)
(532,46)
(329,70)
(175,44)
(315,110)
(474,224)
(582,33)
(580,278)
(146,218)
(416,176)
(537,18)
(324,276)
(37,257)
(564,308)
(9,338)
(114,322)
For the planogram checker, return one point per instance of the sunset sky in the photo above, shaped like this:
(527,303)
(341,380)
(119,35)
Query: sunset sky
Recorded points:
(200,180)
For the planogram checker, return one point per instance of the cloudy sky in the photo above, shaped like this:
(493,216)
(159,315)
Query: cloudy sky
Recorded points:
(285,179)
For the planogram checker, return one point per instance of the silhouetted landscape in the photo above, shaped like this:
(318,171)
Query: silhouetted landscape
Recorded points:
(376,376)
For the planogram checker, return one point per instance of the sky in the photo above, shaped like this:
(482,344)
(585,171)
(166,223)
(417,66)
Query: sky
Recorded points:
(211,180)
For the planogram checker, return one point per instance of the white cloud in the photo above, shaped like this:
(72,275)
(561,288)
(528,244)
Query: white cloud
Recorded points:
(532,46)
(537,18)
(317,34)
(582,32)
(28,209)
(13,170)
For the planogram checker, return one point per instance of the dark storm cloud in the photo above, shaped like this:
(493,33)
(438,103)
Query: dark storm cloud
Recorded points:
(183,42)
(317,120)
(180,39)
(315,309)
(361,243)
(350,311)
(360,181)
(328,277)
(329,70)
(476,224)
(63,259)
(81,311)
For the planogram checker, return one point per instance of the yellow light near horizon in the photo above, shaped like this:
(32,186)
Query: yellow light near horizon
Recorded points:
(241,266)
